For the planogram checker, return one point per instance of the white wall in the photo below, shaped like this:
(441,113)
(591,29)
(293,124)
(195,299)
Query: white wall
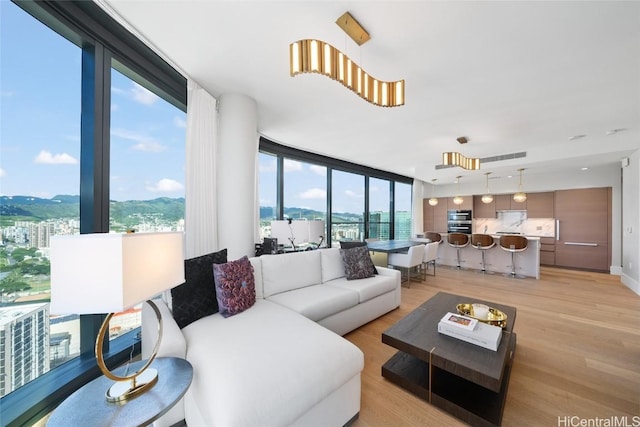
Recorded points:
(604,176)
(631,223)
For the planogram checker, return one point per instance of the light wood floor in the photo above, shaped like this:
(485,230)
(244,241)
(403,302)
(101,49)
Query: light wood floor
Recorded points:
(577,354)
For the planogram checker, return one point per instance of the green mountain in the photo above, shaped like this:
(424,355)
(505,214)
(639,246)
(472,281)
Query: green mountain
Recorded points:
(27,208)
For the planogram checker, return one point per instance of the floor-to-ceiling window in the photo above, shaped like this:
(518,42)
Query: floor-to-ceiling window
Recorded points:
(359,200)
(379,209)
(147,168)
(347,206)
(268,191)
(402,210)
(92,141)
(304,192)
(40,172)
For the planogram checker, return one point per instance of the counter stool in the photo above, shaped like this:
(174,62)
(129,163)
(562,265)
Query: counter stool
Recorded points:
(513,244)
(458,241)
(434,237)
(482,242)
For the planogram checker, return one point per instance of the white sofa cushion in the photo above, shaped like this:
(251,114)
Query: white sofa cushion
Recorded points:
(318,301)
(283,363)
(332,264)
(367,288)
(256,262)
(281,273)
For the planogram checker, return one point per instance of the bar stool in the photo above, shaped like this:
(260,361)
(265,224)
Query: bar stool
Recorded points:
(458,241)
(434,237)
(482,242)
(513,244)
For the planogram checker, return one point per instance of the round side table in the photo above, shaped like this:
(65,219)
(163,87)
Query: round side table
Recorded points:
(89,407)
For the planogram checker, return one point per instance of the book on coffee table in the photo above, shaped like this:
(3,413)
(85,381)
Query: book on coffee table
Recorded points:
(459,321)
(483,335)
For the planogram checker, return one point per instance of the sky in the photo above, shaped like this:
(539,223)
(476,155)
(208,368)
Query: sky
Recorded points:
(40,121)
(40,133)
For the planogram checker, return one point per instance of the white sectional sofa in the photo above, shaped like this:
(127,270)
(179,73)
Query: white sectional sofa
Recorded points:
(281,362)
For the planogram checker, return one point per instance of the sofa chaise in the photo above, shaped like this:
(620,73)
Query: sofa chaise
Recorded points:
(282,361)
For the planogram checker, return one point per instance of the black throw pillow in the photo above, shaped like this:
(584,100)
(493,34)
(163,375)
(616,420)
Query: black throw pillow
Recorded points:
(196,297)
(348,244)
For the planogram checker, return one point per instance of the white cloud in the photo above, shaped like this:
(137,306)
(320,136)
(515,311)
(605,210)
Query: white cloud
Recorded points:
(353,194)
(143,95)
(143,142)
(45,157)
(314,193)
(268,167)
(137,93)
(292,165)
(318,170)
(180,122)
(2,173)
(150,146)
(165,185)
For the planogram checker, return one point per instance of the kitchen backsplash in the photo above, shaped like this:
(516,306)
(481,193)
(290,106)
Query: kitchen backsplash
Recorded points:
(516,223)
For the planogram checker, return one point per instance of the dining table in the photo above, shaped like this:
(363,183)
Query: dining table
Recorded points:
(380,249)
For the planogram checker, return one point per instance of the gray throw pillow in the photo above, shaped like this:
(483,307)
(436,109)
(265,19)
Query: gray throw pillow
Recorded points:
(357,263)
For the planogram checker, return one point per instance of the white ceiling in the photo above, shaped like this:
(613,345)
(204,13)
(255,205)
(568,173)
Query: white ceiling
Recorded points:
(510,76)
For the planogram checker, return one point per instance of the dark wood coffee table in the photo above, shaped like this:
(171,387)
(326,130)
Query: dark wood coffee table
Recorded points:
(463,379)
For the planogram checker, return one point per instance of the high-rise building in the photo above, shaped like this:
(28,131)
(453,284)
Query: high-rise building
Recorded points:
(24,344)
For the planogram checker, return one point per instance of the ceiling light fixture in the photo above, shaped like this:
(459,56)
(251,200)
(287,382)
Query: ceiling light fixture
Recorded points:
(520,196)
(433,201)
(458,200)
(315,56)
(457,159)
(353,29)
(487,197)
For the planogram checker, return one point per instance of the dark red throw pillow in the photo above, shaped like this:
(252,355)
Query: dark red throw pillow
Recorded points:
(235,286)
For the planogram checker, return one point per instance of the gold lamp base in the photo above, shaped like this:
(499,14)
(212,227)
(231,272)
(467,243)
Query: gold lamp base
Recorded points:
(129,386)
(123,391)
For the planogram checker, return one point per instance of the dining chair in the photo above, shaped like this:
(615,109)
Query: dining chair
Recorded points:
(411,261)
(430,255)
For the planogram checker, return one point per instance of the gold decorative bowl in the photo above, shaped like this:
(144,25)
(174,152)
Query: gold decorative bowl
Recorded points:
(494,316)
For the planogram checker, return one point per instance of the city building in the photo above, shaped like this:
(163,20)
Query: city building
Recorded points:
(24,344)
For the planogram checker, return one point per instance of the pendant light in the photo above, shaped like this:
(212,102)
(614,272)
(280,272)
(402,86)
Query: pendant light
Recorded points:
(458,200)
(433,201)
(520,196)
(487,197)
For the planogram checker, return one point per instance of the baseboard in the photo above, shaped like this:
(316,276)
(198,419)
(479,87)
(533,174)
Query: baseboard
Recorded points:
(630,283)
(615,270)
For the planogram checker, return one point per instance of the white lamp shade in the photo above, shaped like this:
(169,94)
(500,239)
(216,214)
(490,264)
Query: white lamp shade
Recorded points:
(109,273)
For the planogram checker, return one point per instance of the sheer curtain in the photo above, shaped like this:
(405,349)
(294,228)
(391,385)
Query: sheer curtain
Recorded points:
(201,219)
(417,195)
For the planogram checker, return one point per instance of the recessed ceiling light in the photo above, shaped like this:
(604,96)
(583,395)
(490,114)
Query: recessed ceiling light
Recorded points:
(574,137)
(584,169)
(614,131)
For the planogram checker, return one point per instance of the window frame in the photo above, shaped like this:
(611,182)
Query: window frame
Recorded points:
(283,151)
(101,39)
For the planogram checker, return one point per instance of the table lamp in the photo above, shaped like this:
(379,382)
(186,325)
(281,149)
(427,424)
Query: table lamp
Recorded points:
(109,273)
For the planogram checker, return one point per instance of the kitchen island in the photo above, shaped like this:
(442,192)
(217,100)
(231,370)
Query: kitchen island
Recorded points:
(497,260)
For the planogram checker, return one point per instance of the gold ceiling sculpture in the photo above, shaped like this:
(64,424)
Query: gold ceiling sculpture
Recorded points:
(315,56)
(457,159)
